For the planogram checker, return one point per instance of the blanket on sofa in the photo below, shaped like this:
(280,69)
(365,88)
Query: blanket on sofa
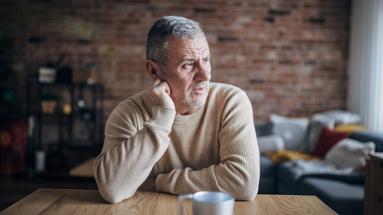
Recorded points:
(288,155)
(321,168)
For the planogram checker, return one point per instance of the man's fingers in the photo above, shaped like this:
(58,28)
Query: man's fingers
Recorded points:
(159,95)
(163,86)
(155,82)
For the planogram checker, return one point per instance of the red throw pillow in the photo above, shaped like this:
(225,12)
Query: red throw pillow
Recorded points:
(327,139)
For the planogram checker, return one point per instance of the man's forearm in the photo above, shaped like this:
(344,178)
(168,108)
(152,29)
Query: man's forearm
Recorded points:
(126,162)
(237,180)
(123,168)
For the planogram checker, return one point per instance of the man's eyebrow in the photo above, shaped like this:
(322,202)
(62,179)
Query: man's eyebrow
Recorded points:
(186,58)
(207,56)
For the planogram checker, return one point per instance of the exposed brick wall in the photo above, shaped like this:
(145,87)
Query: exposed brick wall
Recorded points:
(290,56)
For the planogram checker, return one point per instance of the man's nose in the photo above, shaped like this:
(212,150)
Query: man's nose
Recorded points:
(203,71)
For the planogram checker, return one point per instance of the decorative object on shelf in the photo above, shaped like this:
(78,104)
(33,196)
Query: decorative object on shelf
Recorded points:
(40,161)
(47,75)
(64,71)
(66,108)
(87,74)
(48,103)
(64,74)
(93,74)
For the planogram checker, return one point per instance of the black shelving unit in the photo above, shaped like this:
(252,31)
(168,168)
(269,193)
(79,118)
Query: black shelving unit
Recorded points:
(75,122)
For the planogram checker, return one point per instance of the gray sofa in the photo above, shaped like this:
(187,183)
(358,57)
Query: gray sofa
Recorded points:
(344,194)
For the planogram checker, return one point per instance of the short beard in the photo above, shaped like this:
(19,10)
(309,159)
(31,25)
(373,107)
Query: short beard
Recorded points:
(188,99)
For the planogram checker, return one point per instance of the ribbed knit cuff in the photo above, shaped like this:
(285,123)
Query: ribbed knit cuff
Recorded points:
(159,183)
(163,117)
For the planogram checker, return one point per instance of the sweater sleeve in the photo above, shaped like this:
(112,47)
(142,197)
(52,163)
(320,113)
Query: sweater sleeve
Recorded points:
(238,171)
(129,155)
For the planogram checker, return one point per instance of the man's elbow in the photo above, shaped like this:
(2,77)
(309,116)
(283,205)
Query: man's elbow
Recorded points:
(248,189)
(109,188)
(248,192)
(113,196)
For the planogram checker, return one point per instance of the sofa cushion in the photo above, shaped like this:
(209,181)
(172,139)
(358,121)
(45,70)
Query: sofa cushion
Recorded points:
(267,180)
(288,174)
(266,186)
(267,167)
(342,197)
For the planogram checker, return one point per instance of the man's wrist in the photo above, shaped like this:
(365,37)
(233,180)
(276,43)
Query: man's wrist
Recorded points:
(163,117)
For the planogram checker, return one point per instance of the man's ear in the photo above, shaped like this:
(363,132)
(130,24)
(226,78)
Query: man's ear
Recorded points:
(152,69)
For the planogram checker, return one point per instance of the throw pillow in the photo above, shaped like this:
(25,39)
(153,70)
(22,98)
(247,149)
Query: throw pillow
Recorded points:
(349,153)
(327,139)
(292,130)
(349,128)
(263,129)
(270,143)
(330,118)
(314,131)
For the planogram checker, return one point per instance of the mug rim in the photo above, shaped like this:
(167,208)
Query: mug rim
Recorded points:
(227,197)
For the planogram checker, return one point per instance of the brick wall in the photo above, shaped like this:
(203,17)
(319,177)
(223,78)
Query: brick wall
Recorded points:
(290,56)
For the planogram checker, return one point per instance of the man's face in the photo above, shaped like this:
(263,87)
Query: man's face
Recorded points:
(187,71)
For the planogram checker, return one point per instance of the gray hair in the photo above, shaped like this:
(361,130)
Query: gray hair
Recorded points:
(163,29)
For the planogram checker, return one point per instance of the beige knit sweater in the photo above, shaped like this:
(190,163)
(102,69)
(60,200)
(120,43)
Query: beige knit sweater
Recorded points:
(214,148)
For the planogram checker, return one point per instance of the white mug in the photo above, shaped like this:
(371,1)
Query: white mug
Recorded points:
(208,203)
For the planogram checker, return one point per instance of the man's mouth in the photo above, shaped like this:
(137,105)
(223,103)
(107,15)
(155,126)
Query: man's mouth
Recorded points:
(200,90)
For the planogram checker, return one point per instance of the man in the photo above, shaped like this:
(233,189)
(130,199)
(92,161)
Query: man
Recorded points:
(183,134)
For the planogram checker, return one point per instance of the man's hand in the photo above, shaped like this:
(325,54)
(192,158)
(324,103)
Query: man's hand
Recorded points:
(159,94)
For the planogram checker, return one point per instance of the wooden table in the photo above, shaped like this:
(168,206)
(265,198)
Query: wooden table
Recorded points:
(84,170)
(64,201)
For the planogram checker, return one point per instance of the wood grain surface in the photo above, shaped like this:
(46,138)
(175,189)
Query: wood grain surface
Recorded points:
(66,201)
(84,170)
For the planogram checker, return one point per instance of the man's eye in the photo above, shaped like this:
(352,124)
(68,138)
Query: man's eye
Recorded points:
(189,64)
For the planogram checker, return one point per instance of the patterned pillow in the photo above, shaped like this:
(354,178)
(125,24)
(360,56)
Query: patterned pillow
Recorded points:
(263,129)
(292,130)
(270,143)
(313,134)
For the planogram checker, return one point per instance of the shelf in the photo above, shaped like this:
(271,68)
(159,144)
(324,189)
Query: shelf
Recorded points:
(71,137)
(59,114)
(73,84)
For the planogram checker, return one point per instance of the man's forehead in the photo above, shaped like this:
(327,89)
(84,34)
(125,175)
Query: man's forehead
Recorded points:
(181,48)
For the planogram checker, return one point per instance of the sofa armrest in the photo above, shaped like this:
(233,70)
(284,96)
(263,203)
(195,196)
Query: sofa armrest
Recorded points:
(365,136)
(352,178)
